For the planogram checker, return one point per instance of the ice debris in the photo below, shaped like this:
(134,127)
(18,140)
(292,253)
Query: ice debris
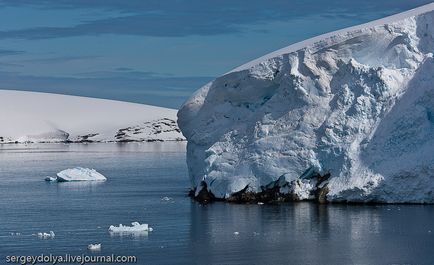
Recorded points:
(44,235)
(135,227)
(94,247)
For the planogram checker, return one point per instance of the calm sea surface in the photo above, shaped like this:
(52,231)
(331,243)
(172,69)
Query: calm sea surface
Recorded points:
(141,175)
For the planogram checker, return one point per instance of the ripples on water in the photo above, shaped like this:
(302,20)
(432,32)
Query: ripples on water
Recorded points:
(141,175)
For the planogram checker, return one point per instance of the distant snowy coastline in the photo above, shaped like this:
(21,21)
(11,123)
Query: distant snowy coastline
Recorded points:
(33,117)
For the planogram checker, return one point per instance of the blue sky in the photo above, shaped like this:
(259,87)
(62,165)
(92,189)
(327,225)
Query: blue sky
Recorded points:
(157,52)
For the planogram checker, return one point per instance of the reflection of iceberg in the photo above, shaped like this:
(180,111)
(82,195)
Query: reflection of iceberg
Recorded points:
(80,174)
(136,229)
(133,234)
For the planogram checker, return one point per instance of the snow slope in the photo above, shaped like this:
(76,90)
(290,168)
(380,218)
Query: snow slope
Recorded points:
(356,105)
(43,117)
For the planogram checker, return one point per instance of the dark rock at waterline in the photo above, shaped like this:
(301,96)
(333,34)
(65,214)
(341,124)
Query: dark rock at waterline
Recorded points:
(204,196)
(270,193)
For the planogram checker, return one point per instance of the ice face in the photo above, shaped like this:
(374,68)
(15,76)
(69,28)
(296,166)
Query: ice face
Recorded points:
(356,104)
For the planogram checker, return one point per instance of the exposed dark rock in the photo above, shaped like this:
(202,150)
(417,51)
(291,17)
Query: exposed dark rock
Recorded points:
(204,196)
(276,191)
(321,194)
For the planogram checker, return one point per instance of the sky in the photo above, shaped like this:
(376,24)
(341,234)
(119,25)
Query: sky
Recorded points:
(157,52)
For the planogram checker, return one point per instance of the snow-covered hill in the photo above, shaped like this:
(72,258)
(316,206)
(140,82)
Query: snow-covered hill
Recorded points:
(43,117)
(346,116)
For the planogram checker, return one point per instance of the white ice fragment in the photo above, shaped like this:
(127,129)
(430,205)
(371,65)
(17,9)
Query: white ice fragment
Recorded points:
(135,227)
(94,247)
(48,178)
(44,235)
(166,199)
(236,233)
(80,174)
(260,203)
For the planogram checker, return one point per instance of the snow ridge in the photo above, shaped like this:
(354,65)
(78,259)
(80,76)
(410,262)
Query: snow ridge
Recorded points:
(355,104)
(32,117)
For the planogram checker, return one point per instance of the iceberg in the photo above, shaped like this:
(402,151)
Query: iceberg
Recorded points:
(347,116)
(94,247)
(135,227)
(44,235)
(79,174)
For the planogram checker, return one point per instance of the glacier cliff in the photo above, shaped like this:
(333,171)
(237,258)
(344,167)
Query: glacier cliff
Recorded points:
(349,113)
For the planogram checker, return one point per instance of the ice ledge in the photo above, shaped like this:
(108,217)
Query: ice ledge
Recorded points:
(311,41)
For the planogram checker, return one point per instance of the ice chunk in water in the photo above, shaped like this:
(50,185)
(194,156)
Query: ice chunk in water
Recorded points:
(135,227)
(94,247)
(80,174)
(44,235)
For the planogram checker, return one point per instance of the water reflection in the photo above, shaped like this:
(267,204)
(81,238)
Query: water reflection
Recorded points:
(80,186)
(150,186)
(130,234)
(325,232)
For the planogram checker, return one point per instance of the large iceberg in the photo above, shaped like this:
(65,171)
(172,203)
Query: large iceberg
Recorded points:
(346,116)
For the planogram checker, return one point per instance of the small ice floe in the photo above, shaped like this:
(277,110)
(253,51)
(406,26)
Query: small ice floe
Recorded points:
(77,174)
(94,247)
(50,178)
(135,227)
(167,199)
(43,235)
(236,233)
(260,203)
(15,234)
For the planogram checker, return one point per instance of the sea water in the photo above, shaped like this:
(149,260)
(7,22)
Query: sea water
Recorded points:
(148,183)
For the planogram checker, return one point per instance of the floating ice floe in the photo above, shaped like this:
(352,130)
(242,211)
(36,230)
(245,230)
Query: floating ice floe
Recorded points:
(44,235)
(15,234)
(77,174)
(135,227)
(94,247)
(51,178)
(167,199)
